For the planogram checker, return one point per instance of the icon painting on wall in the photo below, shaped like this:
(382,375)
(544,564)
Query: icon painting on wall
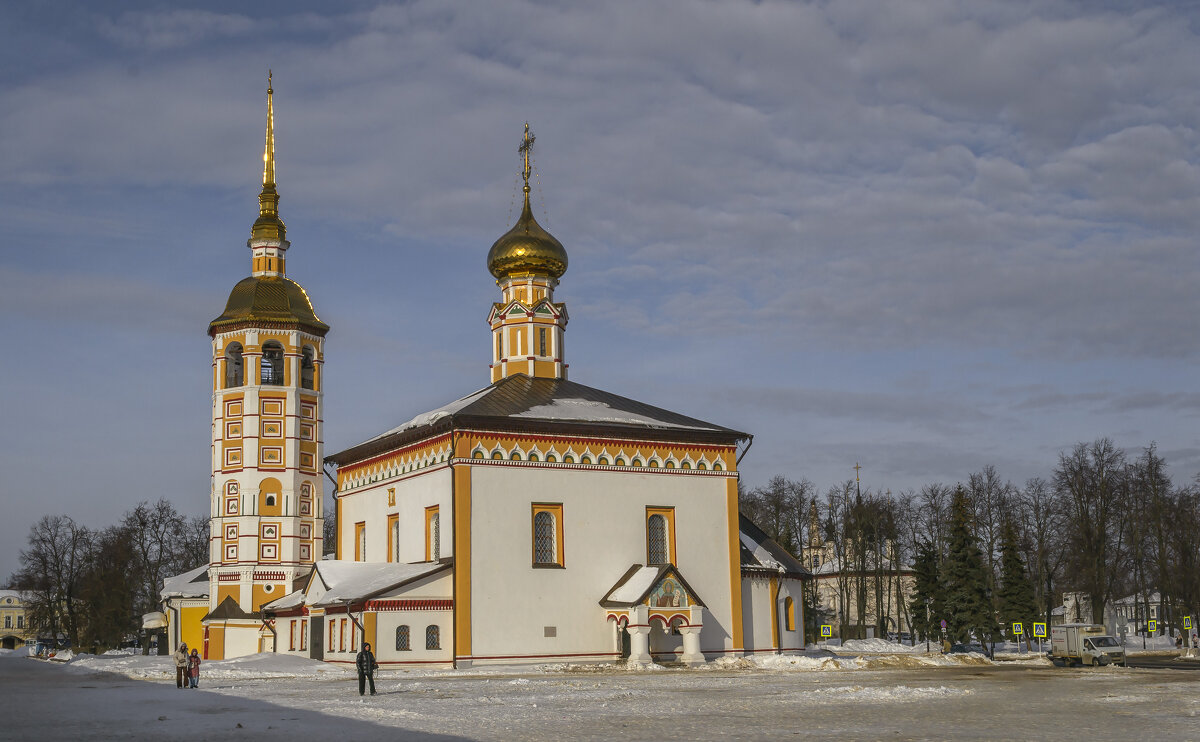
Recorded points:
(668,594)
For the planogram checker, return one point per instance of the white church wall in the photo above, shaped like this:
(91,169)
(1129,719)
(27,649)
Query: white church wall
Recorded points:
(386,623)
(241,641)
(514,605)
(756,609)
(791,640)
(369,505)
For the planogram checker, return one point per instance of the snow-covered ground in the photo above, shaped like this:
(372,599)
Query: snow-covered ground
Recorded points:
(899,696)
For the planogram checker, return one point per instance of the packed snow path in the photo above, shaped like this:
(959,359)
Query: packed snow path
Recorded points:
(260,701)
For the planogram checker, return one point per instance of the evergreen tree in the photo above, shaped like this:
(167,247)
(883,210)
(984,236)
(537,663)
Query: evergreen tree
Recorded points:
(968,608)
(926,606)
(1016,591)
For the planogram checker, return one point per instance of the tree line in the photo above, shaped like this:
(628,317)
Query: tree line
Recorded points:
(92,586)
(985,552)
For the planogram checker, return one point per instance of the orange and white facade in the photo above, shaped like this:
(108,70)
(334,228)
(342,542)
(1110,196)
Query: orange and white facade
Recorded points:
(540,520)
(268,350)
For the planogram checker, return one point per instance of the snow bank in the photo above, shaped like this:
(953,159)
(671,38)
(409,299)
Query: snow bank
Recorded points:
(802,663)
(251,667)
(878,645)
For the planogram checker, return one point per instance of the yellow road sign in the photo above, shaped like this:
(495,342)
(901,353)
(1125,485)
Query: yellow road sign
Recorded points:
(1039,630)
(1018,628)
(1187,622)
(1152,626)
(826,631)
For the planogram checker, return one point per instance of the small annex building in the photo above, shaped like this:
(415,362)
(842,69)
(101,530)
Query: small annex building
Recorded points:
(184,600)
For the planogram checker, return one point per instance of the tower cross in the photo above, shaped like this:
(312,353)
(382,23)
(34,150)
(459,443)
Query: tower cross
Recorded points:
(526,151)
(856,470)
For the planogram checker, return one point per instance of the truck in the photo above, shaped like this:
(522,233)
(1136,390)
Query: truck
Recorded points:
(1085,644)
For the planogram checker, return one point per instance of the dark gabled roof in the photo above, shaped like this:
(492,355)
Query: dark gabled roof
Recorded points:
(652,575)
(229,610)
(775,558)
(521,403)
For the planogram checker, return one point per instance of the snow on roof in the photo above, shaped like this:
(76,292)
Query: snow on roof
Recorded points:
(596,411)
(291,600)
(187,585)
(429,418)
(638,584)
(761,554)
(348,581)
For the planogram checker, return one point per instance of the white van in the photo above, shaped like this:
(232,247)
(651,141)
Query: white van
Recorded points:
(1086,644)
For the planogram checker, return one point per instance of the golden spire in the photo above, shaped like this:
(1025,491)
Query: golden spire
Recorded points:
(526,151)
(269,226)
(527,249)
(269,149)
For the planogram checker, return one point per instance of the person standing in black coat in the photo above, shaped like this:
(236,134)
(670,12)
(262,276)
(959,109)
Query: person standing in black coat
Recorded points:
(365,661)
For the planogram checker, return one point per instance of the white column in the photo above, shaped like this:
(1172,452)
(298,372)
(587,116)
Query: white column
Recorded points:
(639,646)
(692,656)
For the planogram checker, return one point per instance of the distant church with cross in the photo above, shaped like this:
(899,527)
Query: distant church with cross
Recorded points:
(533,520)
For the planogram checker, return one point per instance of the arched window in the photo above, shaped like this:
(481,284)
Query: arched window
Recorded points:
(402,642)
(544,538)
(234,377)
(432,637)
(272,364)
(307,365)
(789,613)
(656,537)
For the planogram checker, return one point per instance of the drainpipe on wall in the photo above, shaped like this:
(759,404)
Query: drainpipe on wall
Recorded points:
(274,635)
(745,450)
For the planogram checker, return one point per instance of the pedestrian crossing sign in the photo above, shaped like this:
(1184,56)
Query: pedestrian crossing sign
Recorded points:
(1151,626)
(1187,622)
(1039,630)
(826,631)
(1018,628)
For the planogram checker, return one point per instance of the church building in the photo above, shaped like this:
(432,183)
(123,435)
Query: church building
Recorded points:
(534,520)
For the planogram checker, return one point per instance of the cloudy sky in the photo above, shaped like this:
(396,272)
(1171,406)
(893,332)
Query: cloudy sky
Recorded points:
(924,236)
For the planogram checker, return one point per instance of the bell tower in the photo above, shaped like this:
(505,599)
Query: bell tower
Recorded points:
(268,351)
(528,327)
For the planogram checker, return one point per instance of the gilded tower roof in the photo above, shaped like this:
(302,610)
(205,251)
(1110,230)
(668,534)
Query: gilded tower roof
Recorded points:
(527,248)
(274,299)
(268,296)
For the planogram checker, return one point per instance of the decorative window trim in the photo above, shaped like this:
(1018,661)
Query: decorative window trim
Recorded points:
(668,515)
(433,636)
(433,528)
(555,510)
(403,638)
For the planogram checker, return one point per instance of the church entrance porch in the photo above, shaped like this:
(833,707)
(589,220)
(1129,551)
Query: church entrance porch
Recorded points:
(656,616)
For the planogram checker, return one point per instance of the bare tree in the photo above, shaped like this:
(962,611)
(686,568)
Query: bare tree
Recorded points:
(1091,480)
(1043,530)
(52,571)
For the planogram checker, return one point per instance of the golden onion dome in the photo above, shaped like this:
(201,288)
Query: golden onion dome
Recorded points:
(268,299)
(527,249)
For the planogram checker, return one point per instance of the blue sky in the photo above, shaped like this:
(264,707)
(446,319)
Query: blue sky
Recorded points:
(926,237)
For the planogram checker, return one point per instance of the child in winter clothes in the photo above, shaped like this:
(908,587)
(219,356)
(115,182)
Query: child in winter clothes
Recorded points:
(194,669)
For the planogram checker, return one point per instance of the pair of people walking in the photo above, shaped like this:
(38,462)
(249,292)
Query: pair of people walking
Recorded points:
(187,667)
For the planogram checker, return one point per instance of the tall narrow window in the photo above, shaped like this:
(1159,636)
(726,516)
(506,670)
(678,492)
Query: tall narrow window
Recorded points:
(307,366)
(660,535)
(433,637)
(789,613)
(500,344)
(393,538)
(433,534)
(402,641)
(547,535)
(541,341)
(233,366)
(360,542)
(272,364)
